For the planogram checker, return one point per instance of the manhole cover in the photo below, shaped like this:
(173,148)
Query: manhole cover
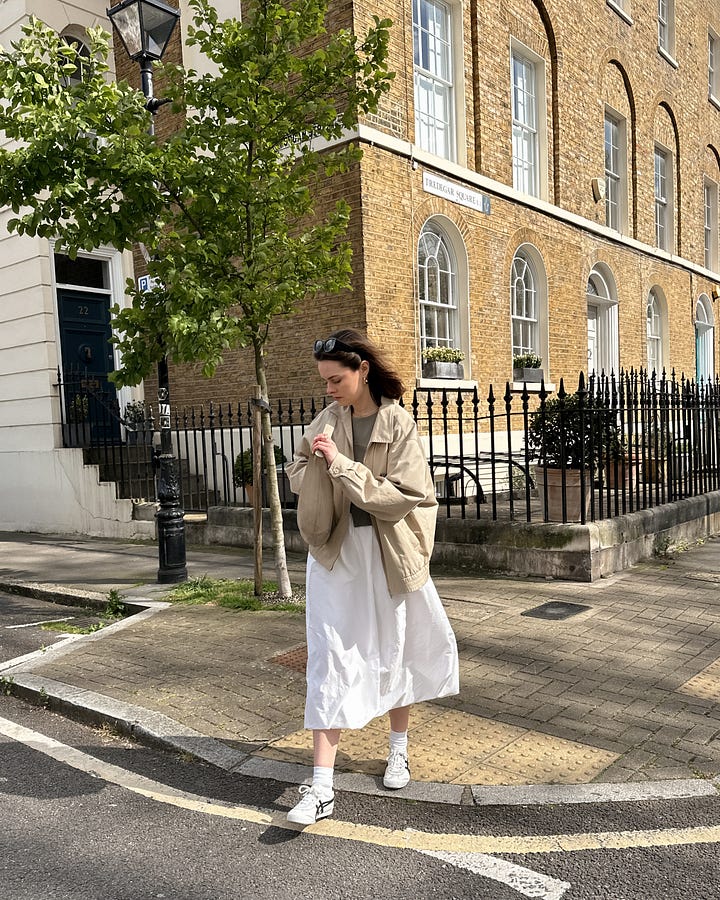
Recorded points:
(555,609)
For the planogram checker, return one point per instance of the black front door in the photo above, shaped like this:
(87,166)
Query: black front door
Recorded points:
(87,358)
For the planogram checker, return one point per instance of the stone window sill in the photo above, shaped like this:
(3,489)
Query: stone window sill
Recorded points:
(615,7)
(436,384)
(533,387)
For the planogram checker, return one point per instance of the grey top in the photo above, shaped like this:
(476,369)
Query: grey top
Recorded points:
(362,429)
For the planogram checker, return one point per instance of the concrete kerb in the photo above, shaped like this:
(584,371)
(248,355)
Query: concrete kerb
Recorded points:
(72,596)
(159,731)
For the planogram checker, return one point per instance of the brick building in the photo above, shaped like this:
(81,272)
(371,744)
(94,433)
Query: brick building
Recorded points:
(543,176)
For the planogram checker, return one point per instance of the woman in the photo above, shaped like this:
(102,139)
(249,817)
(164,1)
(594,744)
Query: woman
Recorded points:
(378,637)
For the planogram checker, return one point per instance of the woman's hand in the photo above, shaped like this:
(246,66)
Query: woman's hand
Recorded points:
(324,444)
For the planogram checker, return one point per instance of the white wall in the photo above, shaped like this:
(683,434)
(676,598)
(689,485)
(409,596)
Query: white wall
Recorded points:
(55,493)
(44,487)
(192,57)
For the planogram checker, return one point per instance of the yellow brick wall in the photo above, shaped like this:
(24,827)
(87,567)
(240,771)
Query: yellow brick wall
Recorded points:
(593,58)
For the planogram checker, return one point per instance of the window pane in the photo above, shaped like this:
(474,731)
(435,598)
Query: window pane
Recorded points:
(654,335)
(661,201)
(524,127)
(612,174)
(433,78)
(91,273)
(437,275)
(712,77)
(525,328)
(663,24)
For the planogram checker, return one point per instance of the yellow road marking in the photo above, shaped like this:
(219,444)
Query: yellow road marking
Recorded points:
(365,834)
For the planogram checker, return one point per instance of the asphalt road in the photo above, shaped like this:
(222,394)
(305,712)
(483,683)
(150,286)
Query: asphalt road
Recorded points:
(22,618)
(74,826)
(87,814)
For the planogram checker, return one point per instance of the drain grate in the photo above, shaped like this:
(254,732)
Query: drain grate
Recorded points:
(555,610)
(294,659)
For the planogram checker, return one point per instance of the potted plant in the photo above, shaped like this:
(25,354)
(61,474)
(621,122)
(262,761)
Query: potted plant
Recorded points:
(527,367)
(243,471)
(76,431)
(618,460)
(138,423)
(442,362)
(564,440)
(654,447)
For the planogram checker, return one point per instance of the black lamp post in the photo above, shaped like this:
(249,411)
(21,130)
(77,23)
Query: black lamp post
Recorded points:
(145,27)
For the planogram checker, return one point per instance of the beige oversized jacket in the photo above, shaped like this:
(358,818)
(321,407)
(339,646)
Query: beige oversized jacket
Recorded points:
(393,484)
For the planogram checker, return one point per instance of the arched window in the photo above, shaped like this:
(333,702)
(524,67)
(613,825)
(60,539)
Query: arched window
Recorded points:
(79,59)
(656,332)
(438,289)
(602,312)
(526,306)
(704,339)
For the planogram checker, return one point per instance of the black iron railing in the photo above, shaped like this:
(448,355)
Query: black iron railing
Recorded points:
(615,445)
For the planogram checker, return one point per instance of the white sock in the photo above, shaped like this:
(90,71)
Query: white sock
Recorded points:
(323,780)
(399,741)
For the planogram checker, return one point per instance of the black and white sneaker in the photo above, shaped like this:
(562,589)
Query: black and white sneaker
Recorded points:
(397,773)
(311,807)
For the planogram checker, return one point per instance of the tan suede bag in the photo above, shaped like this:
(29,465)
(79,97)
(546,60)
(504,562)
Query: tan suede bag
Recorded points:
(315,510)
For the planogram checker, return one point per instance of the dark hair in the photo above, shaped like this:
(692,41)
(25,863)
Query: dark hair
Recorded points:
(383,380)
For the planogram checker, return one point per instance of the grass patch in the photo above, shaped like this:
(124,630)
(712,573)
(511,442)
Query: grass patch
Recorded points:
(66,628)
(115,609)
(232,594)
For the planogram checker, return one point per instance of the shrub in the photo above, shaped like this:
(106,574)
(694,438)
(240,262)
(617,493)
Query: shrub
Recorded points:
(79,409)
(560,434)
(135,413)
(243,469)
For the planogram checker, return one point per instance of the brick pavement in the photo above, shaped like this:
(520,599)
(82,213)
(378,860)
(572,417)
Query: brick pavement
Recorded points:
(626,690)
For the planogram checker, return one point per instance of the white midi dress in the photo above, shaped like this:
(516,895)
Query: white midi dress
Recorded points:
(369,652)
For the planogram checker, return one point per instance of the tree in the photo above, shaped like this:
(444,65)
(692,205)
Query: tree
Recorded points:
(224,205)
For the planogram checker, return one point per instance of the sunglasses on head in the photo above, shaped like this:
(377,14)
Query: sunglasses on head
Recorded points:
(332,345)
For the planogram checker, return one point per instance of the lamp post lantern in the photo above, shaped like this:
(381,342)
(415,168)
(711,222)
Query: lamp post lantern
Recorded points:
(145,28)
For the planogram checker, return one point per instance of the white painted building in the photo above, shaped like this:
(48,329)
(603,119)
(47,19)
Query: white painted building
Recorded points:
(55,313)
(44,486)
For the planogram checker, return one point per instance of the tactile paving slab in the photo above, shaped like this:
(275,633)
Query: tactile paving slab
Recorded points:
(456,747)
(705,685)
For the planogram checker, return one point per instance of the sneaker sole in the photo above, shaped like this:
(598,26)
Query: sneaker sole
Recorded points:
(396,787)
(298,820)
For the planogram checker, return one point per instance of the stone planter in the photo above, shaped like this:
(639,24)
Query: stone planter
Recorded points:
(531,376)
(573,499)
(653,470)
(627,467)
(435,369)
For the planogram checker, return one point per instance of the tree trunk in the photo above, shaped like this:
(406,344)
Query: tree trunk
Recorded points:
(276,519)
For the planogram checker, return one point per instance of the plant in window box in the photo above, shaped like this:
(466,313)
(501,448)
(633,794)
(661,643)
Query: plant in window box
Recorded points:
(527,367)
(442,362)
(138,423)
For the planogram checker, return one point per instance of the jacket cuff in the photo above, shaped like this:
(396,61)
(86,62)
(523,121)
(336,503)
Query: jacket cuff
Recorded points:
(340,465)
